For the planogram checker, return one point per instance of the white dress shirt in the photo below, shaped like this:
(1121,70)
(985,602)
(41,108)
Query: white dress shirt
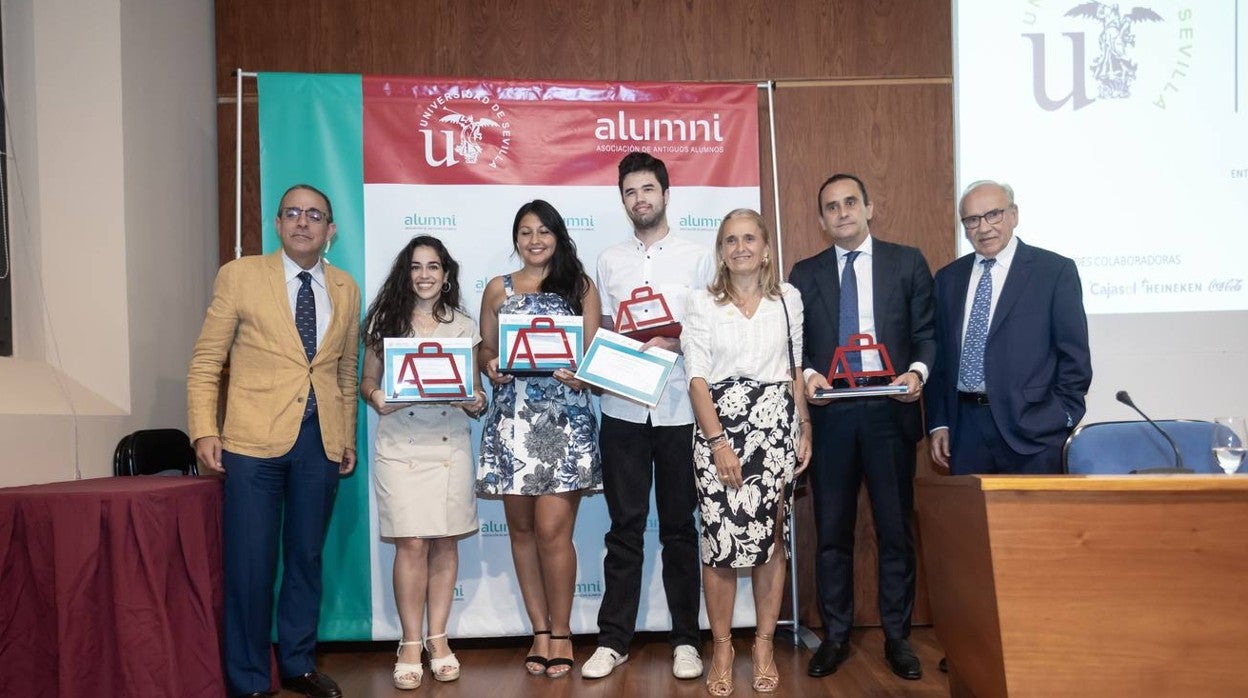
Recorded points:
(324,309)
(720,342)
(673,267)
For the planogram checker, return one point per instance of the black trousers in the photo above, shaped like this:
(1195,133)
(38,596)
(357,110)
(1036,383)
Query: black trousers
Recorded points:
(859,439)
(628,452)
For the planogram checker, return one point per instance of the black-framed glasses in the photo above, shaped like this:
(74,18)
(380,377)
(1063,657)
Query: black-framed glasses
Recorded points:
(993,216)
(292,213)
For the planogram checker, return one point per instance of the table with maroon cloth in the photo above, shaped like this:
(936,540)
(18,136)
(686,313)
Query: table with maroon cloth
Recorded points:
(111,587)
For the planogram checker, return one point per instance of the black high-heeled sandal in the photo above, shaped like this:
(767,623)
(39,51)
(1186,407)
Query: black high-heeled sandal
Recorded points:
(561,665)
(537,658)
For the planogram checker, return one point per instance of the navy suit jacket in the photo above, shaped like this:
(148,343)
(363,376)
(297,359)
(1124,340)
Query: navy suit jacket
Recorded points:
(1037,366)
(901,296)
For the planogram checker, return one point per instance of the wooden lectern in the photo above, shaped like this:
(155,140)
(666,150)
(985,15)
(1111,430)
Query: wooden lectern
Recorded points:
(1128,585)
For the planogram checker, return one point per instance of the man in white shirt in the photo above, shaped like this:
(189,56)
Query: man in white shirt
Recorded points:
(642,444)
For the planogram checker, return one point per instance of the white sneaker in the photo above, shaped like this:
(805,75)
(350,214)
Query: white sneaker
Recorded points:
(686,664)
(604,661)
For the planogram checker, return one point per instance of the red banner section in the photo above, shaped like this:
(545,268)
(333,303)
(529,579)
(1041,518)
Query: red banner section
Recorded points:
(443,131)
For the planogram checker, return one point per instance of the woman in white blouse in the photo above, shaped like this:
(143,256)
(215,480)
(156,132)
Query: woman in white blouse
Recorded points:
(742,341)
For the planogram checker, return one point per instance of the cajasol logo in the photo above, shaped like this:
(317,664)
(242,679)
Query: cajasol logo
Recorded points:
(693,221)
(580,223)
(489,527)
(1107,57)
(418,220)
(589,590)
(464,127)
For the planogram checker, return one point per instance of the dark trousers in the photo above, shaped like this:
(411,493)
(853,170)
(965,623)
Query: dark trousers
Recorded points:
(977,448)
(628,450)
(292,494)
(854,440)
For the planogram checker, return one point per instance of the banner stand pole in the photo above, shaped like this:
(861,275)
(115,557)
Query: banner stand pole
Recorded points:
(802,636)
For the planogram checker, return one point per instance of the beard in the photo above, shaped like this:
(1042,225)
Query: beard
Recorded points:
(648,220)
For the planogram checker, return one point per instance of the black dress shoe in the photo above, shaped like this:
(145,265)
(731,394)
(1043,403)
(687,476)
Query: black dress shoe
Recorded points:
(901,659)
(256,694)
(828,658)
(944,665)
(314,684)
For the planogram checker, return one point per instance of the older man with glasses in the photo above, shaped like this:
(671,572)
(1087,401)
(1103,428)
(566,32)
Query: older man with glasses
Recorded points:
(1012,362)
(288,322)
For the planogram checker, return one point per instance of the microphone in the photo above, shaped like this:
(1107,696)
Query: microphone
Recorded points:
(1125,399)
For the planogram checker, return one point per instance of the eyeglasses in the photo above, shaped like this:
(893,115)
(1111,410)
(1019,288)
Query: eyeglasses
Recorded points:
(993,216)
(292,213)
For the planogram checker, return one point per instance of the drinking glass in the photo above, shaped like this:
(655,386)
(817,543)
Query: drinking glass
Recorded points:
(1228,442)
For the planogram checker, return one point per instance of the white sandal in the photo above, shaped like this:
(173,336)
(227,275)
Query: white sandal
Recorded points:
(407,676)
(449,663)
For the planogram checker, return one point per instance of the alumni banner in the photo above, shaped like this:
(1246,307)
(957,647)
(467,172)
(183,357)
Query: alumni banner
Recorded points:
(455,158)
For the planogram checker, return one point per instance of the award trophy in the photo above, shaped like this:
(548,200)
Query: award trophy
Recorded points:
(425,371)
(846,382)
(646,315)
(540,347)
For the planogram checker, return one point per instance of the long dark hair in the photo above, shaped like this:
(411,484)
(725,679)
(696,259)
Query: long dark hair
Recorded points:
(564,274)
(390,313)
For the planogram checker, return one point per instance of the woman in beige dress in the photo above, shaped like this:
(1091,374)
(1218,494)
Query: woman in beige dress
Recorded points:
(423,468)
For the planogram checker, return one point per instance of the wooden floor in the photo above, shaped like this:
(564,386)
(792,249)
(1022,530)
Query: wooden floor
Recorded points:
(494,669)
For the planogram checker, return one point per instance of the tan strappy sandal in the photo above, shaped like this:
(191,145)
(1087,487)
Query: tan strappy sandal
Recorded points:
(721,684)
(766,678)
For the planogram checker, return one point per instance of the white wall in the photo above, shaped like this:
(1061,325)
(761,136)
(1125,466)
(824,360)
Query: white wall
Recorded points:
(1192,365)
(113,194)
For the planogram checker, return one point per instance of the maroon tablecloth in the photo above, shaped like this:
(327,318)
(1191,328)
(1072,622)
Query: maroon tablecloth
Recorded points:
(111,587)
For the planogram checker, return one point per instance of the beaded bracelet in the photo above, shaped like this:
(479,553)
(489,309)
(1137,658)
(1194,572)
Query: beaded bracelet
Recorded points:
(720,438)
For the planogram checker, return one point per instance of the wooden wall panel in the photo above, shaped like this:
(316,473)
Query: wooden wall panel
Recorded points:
(593,40)
(865,87)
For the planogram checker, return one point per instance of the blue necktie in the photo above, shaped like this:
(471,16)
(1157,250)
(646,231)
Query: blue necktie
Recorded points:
(971,369)
(305,322)
(848,323)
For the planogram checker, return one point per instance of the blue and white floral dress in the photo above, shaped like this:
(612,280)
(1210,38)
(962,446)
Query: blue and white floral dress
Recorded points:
(540,436)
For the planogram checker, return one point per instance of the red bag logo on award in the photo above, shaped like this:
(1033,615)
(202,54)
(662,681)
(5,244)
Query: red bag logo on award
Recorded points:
(646,314)
(433,371)
(540,342)
(858,344)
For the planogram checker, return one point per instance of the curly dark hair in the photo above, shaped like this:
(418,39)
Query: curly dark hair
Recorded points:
(390,313)
(565,276)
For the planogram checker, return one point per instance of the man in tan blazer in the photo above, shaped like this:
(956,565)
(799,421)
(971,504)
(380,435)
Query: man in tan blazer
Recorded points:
(288,322)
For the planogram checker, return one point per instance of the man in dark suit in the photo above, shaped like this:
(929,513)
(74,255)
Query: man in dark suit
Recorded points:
(288,323)
(861,285)
(1012,362)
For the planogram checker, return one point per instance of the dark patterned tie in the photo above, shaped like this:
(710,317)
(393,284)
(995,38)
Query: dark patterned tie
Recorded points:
(848,323)
(305,322)
(971,368)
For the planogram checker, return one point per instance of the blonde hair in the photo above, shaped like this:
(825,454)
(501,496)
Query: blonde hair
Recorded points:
(721,287)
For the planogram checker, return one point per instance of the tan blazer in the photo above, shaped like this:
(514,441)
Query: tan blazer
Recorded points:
(250,321)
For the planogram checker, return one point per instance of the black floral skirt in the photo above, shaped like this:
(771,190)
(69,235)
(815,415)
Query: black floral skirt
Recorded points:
(739,525)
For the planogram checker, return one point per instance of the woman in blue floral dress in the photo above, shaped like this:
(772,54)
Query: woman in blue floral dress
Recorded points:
(539,447)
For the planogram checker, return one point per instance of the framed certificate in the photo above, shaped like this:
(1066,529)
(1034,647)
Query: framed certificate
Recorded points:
(616,363)
(539,344)
(427,370)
